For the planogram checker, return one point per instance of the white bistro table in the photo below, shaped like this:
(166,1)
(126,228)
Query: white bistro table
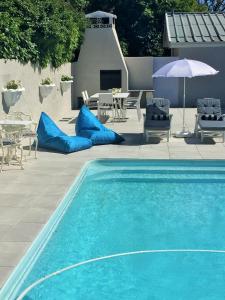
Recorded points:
(118,99)
(16,122)
(16,125)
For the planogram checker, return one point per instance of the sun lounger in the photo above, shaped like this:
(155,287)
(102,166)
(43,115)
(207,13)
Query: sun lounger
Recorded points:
(157,121)
(209,119)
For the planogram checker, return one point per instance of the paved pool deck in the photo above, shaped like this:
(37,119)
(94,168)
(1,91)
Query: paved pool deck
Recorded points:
(29,197)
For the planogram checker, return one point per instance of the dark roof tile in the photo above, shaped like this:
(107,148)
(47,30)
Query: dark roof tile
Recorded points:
(195,28)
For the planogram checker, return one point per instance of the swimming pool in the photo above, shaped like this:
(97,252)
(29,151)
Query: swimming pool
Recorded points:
(157,230)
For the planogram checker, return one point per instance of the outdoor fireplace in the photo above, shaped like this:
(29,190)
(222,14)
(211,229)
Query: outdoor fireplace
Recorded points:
(110,79)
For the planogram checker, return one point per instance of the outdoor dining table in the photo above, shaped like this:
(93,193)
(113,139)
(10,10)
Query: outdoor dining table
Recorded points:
(119,99)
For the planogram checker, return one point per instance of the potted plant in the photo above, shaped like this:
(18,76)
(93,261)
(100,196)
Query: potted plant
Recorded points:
(116,91)
(12,92)
(65,82)
(46,87)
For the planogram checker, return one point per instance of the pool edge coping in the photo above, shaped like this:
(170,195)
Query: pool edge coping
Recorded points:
(13,283)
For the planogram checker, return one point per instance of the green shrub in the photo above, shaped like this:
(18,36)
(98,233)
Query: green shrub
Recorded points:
(41,31)
(46,81)
(66,78)
(13,85)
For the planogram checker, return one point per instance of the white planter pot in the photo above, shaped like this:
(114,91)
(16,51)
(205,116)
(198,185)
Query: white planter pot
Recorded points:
(65,85)
(46,89)
(11,96)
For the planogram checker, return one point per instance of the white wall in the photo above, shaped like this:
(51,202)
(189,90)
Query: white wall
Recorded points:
(56,104)
(206,86)
(100,51)
(140,72)
(165,87)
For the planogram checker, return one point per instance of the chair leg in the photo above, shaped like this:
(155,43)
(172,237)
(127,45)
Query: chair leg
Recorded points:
(29,146)
(36,145)
(202,136)
(99,112)
(21,158)
(9,154)
(168,136)
(146,136)
(112,116)
(3,158)
(196,128)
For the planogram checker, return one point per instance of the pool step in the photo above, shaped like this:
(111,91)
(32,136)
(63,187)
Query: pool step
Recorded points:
(160,175)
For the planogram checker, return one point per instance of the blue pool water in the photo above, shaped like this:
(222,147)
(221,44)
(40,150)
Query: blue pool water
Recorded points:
(124,206)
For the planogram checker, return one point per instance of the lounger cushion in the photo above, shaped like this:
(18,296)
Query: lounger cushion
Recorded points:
(89,126)
(157,124)
(53,138)
(209,106)
(209,117)
(212,125)
(160,117)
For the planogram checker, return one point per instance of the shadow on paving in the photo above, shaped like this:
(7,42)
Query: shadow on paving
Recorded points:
(197,141)
(52,151)
(131,139)
(66,120)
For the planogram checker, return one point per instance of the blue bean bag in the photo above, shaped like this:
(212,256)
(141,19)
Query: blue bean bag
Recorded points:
(51,137)
(89,126)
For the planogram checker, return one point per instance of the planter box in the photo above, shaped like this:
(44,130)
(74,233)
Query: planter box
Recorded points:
(11,96)
(46,89)
(65,85)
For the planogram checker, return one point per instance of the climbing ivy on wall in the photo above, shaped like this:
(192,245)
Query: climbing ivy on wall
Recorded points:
(40,31)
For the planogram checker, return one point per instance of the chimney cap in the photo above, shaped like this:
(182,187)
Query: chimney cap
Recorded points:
(100,14)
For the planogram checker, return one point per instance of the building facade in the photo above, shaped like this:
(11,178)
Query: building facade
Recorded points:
(198,36)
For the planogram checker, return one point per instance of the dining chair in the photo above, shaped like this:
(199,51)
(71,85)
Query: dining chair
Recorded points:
(92,103)
(105,103)
(135,102)
(85,97)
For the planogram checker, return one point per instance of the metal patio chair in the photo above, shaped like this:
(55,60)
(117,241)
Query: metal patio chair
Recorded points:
(10,143)
(27,132)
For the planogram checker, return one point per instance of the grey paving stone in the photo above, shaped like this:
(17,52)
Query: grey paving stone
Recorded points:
(11,215)
(11,253)
(4,273)
(21,232)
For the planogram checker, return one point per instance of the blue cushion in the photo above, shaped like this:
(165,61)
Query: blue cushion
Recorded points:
(51,137)
(89,126)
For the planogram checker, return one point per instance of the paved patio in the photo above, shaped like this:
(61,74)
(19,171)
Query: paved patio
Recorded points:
(29,197)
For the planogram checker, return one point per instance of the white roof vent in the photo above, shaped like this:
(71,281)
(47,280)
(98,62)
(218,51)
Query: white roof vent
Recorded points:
(100,14)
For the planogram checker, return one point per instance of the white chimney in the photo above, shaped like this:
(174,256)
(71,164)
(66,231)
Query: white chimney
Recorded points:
(101,65)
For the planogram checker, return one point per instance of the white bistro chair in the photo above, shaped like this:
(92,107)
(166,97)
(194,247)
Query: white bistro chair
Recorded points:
(135,102)
(92,103)
(105,103)
(85,97)
(28,132)
(10,143)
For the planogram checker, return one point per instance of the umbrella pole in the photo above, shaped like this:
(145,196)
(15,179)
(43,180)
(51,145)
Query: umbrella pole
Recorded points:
(183,133)
(184,107)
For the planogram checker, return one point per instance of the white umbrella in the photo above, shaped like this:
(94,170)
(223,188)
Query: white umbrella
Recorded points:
(185,68)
